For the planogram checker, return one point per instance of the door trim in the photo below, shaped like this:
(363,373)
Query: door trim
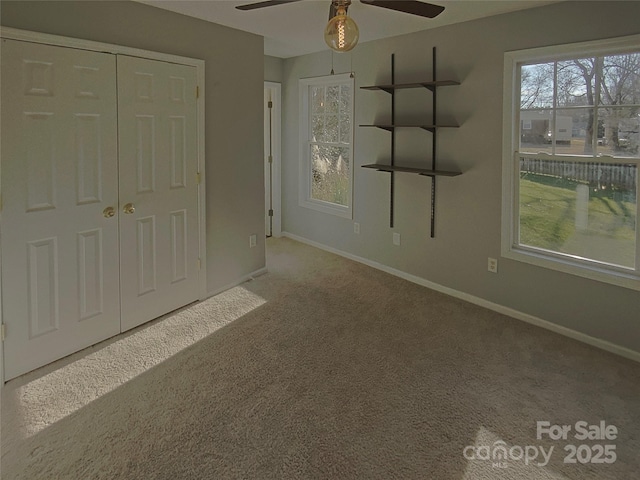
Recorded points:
(275,92)
(60,41)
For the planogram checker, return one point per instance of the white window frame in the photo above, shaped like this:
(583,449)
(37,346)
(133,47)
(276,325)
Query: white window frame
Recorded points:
(510,174)
(305,199)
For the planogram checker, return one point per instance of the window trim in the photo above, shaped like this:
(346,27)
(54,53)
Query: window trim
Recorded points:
(304,183)
(510,175)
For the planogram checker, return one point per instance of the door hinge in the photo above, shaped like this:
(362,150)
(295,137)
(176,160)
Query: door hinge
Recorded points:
(271,212)
(198,178)
(270,158)
(197,91)
(3,332)
(270,104)
(199,264)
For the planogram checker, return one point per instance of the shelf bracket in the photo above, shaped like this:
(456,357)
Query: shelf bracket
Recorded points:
(393,140)
(433,143)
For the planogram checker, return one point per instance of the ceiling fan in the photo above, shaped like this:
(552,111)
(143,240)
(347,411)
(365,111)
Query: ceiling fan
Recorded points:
(341,33)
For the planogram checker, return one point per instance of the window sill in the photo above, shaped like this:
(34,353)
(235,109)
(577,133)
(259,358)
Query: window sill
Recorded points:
(326,207)
(574,267)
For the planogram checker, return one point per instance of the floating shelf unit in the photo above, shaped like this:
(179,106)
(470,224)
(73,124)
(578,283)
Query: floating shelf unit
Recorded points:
(433,127)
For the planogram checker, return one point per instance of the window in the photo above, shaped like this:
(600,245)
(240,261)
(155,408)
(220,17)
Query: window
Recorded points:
(326,144)
(571,157)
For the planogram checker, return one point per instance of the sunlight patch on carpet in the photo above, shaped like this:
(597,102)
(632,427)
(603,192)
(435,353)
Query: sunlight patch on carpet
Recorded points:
(62,388)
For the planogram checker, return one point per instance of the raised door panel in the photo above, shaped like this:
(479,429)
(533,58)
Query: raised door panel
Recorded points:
(40,160)
(60,273)
(89,161)
(43,311)
(157,171)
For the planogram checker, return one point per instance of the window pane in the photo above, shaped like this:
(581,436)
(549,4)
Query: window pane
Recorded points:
(536,86)
(583,209)
(345,98)
(621,80)
(573,132)
(535,126)
(345,128)
(333,99)
(317,133)
(330,174)
(317,100)
(619,131)
(576,82)
(331,129)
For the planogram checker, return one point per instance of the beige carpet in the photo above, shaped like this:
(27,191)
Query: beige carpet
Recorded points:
(321,369)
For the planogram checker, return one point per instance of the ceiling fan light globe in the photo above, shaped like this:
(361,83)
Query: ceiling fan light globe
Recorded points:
(341,33)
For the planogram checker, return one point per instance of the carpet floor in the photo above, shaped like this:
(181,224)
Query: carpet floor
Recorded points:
(325,369)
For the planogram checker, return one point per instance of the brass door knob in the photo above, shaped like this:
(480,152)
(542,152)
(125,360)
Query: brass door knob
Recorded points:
(109,212)
(129,208)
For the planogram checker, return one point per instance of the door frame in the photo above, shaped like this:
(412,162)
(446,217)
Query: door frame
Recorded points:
(274,91)
(60,41)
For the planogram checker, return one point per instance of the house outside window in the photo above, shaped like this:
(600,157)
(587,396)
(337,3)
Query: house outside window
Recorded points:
(326,144)
(571,157)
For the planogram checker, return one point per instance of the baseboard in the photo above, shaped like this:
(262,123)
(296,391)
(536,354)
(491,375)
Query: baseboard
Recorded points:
(244,278)
(525,317)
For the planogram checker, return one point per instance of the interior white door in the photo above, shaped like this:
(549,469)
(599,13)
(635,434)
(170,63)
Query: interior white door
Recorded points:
(59,179)
(158,188)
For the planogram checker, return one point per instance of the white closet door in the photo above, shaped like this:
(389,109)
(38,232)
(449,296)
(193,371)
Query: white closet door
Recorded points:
(59,173)
(158,188)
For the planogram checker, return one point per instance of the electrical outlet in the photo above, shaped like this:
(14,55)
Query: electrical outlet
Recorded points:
(252,240)
(492,265)
(356,228)
(396,239)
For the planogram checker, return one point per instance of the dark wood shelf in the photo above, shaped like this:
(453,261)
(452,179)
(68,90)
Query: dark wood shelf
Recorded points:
(399,86)
(419,171)
(432,127)
(390,128)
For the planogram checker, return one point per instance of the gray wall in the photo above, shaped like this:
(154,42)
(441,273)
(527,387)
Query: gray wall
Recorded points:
(273,69)
(234,92)
(468,206)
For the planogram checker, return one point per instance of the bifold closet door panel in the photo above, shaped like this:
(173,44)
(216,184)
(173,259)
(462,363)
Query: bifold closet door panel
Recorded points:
(158,188)
(60,273)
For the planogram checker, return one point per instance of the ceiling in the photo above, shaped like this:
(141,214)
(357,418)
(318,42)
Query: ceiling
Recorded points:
(290,30)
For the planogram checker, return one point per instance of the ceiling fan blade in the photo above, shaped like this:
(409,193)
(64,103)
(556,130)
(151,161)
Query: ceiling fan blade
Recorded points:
(268,3)
(413,7)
